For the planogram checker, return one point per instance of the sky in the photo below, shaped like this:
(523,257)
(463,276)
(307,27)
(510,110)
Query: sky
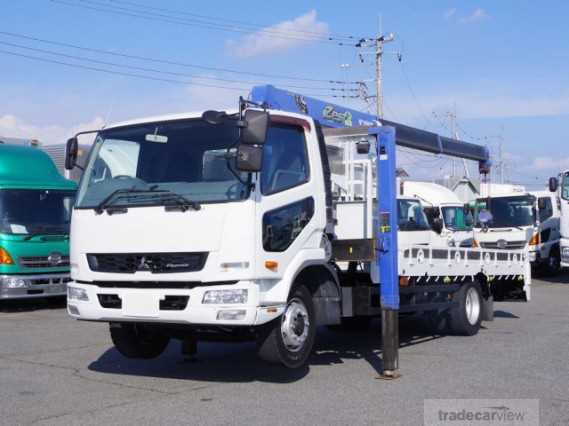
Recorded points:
(502,68)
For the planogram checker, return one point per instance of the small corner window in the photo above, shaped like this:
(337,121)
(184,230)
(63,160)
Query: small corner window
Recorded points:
(285,160)
(547,211)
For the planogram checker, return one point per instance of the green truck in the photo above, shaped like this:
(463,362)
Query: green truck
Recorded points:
(35,212)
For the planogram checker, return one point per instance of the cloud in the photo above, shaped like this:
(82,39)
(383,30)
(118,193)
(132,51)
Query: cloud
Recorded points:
(477,15)
(12,126)
(550,163)
(300,31)
(480,105)
(450,13)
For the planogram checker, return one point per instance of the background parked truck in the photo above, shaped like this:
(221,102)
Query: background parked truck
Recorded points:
(449,218)
(521,220)
(35,211)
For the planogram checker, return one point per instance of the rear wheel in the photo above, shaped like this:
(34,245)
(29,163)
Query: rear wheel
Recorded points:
(289,339)
(138,340)
(465,318)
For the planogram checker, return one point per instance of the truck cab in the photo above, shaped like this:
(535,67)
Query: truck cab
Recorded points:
(522,220)
(35,209)
(448,217)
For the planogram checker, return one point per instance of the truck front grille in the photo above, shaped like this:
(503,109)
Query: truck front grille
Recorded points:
(44,261)
(508,245)
(156,263)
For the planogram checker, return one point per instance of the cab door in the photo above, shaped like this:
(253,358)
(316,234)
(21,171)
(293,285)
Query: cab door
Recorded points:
(290,203)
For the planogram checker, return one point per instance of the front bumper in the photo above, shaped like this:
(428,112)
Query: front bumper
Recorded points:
(144,305)
(33,286)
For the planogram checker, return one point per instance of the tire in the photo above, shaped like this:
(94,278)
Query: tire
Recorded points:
(289,340)
(552,265)
(465,318)
(138,341)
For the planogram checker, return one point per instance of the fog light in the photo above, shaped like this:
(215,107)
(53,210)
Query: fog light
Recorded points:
(232,315)
(222,297)
(15,282)
(74,293)
(73,309)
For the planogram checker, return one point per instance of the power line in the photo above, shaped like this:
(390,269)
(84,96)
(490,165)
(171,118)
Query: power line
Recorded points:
(160,71)
(233,21)
(146,77)
(170,62)
(117,10)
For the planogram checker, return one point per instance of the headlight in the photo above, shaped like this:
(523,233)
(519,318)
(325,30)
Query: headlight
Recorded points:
(74,293)
(222,297)
(14,282)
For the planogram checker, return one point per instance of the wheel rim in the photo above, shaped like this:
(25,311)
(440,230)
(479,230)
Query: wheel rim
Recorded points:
(295,325)
(472,306)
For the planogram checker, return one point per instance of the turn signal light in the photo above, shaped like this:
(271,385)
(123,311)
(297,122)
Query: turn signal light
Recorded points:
(534,240)
(272,265)
(5,258)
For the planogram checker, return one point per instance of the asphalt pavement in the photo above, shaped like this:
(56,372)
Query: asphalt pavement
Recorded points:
(54,370)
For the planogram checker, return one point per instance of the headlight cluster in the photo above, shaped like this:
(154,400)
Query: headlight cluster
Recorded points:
(565,252)
(14,282)
(74,293)
(222,297)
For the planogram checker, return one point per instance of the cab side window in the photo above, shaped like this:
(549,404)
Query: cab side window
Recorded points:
(285,160)
(547,211)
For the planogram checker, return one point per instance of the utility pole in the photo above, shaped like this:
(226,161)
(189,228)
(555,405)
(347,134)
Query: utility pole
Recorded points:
(379,42)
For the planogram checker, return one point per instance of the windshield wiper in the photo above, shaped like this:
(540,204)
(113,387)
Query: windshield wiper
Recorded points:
(165,195)
(119,193)
(181,203)
(45,231)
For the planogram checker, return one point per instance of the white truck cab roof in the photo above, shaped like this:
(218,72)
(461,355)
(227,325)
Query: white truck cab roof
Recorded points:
(431,194)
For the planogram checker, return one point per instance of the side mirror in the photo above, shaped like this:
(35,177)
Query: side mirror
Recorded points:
(553,184)
(71,152)
(437,225)
(484,217)
(363,147)
(541,203)
(249,158)
(256,127)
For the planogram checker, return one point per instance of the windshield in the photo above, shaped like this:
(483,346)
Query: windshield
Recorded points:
(410,216)
(33,211)
(457,218)
(189,158)
(508,211)
(565,186)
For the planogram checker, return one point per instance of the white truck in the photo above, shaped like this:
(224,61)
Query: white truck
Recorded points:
(559,187)
(450,220)
(522,220)
(226,226)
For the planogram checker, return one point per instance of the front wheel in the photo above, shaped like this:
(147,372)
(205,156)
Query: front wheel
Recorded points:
(138,340)
(466,316)
(552,264)
(289,339)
